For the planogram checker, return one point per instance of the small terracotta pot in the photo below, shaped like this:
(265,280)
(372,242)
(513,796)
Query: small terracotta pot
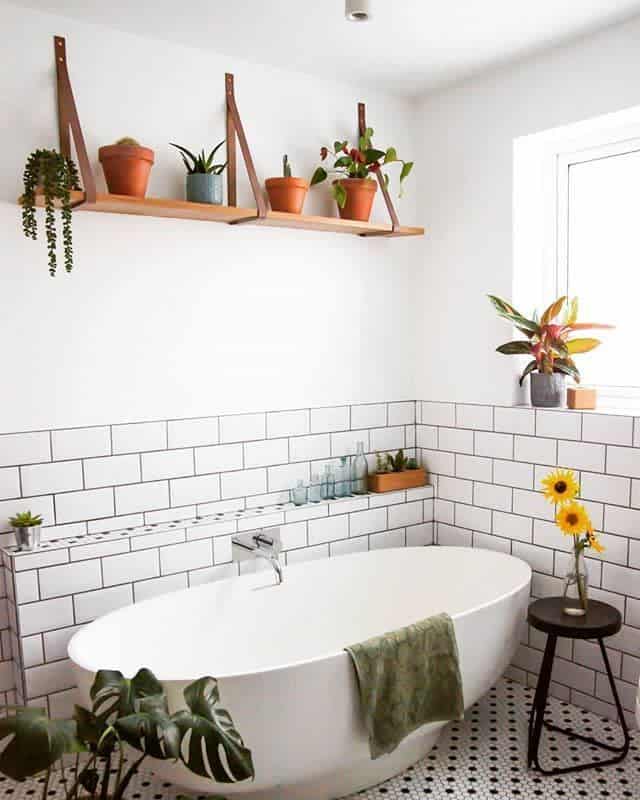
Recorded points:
(360,194)
(287,194)
(126,168)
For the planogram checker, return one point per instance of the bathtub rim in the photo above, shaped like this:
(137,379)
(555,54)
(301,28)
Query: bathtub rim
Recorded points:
(79,663)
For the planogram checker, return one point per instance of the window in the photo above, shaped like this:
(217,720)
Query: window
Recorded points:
(598,259)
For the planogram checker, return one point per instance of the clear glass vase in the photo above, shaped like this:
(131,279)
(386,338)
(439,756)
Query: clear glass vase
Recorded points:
(576,585)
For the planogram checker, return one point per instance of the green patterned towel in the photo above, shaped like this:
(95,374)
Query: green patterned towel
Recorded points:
(406,679)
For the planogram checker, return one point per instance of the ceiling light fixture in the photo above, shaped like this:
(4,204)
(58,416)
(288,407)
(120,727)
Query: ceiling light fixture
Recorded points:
(357,10)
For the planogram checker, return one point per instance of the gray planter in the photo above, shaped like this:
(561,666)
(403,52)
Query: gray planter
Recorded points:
(204,187)
(548,391)
(28,538)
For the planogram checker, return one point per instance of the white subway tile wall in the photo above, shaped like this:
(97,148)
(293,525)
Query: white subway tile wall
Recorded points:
(122,497)
(490,496)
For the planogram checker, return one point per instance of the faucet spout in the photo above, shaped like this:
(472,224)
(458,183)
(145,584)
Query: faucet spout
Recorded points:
(259,544)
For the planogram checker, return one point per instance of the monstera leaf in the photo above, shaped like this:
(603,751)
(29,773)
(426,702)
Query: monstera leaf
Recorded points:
(30,742)
(207,730)
(151,730)
(115,696)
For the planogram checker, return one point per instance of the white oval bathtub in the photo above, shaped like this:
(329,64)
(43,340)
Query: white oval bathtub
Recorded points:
(277,652)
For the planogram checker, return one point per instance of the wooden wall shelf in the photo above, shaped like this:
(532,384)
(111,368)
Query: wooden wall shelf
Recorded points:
(90,200)
(181,209)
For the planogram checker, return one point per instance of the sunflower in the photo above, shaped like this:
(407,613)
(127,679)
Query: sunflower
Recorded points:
(592,541)
(572,519)
(560,486)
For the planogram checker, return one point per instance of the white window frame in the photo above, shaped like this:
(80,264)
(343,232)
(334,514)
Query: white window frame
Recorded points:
(542,163)
(564,162)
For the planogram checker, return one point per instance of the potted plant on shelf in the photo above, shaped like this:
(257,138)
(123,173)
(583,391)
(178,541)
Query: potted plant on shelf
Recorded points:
(204,178)
(394,473)
(547,340)
(26,527)
(129,721)
(126,165)
(54,176)
(287,193)
(355,190)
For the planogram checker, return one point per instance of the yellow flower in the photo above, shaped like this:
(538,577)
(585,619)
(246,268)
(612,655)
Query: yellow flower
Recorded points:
(560,486)
(572,519)
(592,541)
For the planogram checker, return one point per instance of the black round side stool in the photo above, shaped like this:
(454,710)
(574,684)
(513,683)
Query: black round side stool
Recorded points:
(600,621)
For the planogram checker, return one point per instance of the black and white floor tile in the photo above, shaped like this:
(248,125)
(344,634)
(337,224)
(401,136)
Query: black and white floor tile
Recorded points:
(482,757)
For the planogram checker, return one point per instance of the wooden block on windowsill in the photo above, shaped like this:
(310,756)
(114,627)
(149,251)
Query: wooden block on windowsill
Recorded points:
(581,397)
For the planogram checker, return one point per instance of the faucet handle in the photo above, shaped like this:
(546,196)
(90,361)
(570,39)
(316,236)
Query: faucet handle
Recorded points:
(269,539)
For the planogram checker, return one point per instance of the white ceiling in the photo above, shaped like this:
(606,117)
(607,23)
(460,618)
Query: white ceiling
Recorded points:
(410,46)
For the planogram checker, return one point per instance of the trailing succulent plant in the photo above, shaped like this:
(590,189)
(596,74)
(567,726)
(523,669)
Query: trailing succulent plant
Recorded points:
(57,176)
(125,712)
(286,167)
(25,519)
(201,163)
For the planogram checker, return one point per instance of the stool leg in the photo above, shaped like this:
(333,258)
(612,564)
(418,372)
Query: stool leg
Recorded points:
(621,718)
(536,717)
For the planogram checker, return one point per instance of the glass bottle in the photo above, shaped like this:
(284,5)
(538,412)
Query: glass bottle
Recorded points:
(576,585)
(343,482)
(328,487)
(299,494)
(360,472)
(315,489)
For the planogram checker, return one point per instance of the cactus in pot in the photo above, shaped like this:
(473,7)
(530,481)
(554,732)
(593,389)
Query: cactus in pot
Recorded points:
(287,193)
(126,166)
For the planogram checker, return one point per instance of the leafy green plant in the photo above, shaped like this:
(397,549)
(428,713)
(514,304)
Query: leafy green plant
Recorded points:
(25,519)
(547,336)
(131,712)
(358,162)
(201,163)
(286,167)
(57,176)
(397,463)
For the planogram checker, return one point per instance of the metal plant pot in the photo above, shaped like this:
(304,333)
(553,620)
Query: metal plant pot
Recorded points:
(28,538)
(204,187)
(548,391)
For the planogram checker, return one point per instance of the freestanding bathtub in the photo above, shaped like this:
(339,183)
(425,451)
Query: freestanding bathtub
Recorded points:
(278,654)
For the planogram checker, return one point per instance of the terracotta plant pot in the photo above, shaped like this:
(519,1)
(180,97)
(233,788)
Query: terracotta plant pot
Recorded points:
(126,168)
(287,194)
(360,194)
(395,481)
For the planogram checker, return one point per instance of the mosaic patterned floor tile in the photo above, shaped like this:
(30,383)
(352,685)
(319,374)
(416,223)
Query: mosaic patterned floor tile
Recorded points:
(481,758)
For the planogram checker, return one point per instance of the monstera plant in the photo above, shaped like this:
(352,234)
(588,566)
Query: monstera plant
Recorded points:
(130,712)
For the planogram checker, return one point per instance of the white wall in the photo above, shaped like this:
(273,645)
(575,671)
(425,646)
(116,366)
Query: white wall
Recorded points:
(466,159)
(167,318)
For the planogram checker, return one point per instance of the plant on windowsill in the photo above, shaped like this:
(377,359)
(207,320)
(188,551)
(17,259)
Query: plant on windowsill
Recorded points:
(204,177)
(26,527)
(287,193)
(124,712)
(560,487)
(547,340)
(394,473)
(355,190)
(51,174)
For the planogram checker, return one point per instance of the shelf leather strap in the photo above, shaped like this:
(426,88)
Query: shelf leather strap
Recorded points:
(235,128)
(395,223)
(68,121)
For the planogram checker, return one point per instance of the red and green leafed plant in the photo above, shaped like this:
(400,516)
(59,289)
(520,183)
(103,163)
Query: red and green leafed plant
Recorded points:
(358,162)
(548,337)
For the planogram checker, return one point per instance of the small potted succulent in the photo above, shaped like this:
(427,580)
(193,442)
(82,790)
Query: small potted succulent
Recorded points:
(204,177)
(394,473)
(354,189)
(126,166)
(287,193)
(547,341)
(26,527)
(55,176)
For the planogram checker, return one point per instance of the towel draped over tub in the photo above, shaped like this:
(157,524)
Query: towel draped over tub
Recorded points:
(406,679)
